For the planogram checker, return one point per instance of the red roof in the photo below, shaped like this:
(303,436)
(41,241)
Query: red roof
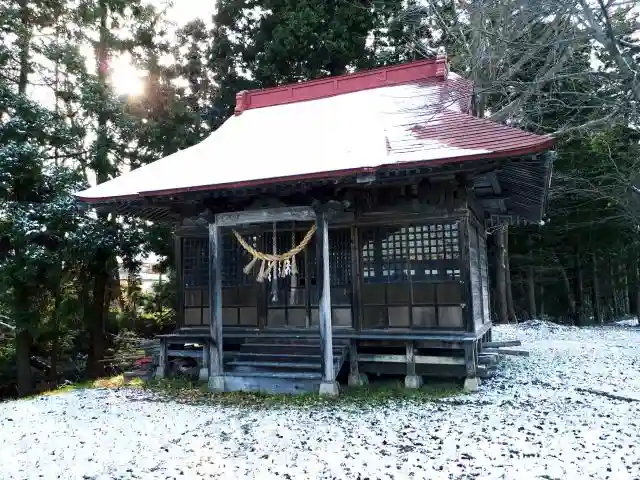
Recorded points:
(409,115)
(434,69)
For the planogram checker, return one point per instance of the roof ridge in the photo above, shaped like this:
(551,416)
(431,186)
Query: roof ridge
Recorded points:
(431,68)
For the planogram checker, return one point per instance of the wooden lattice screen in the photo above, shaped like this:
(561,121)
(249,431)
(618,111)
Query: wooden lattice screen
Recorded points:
(411,276)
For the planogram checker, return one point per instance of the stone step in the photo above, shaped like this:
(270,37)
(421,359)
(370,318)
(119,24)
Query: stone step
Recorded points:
(280,357)
(276,365)
(283,374)
(286,349)
(278,382)
(293,340)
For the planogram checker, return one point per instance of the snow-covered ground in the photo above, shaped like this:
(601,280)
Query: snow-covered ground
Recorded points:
(536,419)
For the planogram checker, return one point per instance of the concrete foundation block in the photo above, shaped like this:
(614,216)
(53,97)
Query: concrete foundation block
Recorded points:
(413,381)
(471,384)
(203,375)
(216,384)
(358,380)
(331,389)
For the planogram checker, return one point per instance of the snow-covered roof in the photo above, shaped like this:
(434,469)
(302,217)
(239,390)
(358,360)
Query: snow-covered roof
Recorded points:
(406,115)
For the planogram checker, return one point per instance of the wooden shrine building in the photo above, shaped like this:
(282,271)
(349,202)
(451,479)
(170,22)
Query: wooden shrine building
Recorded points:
(338,225)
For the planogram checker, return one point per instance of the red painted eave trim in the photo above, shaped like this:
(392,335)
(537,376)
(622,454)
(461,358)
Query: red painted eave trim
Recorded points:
(434,68)
(546,144)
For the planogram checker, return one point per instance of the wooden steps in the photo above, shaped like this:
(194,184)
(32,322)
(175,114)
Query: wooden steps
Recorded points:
(280,365)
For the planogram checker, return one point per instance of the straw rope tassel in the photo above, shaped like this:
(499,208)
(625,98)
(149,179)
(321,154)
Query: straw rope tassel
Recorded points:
(270,261)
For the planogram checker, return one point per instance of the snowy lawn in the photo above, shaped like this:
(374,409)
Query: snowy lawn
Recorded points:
(536,419)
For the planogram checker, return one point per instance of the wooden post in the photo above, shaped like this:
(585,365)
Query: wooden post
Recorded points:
(179,279)
(472,382)
(501,278)
(329,386)
(216,380)
(161,371)
(511,311)
(355,379)
(411,380)
(203,375)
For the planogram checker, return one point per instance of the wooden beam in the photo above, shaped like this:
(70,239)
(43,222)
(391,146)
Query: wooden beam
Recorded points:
(279,214)
(504,351)
(419,359)
(495,183)
(216,382)
(505,343)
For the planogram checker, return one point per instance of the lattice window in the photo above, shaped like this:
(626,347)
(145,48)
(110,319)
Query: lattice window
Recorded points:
(339,257)
(368,242)
(195,261)
(419,252)
(234,259)
(394,261)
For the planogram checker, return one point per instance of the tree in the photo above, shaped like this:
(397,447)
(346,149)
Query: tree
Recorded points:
(261,44)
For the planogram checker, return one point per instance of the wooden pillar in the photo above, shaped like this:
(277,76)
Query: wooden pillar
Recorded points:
(216,380)
(328,386)
(177,246)
(472,382)
(355,378)
(203,375)
(511,311)
(501,278)
(411,380)
(161,371)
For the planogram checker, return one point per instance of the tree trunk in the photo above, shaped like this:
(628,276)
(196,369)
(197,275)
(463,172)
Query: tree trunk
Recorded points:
(95,321)
(595,292)
(624,288)
(55,339)
(23,362)
(531,291)
(614,298)
(637,289)
(95,315)
(24,42)
(571,300)
(501,280)
(541,295)
(23,338)
(632,275)
(579,286)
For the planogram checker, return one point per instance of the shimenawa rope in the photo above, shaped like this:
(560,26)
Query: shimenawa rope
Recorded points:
(271,260)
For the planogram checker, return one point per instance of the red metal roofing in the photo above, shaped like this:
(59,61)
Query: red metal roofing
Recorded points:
(437,68)
(408,115)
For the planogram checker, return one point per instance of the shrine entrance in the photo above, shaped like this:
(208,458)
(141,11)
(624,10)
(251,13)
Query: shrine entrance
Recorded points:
(292,300)
(256,295)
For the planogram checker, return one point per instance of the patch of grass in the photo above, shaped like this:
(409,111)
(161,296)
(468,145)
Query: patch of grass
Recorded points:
(107,382)
(376,394)
(186,391)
